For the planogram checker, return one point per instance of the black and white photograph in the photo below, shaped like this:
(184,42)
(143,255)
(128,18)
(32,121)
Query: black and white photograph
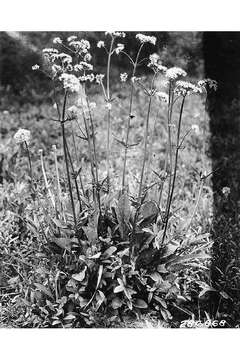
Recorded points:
(120,179)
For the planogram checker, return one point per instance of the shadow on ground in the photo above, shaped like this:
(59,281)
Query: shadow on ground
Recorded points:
(222,63)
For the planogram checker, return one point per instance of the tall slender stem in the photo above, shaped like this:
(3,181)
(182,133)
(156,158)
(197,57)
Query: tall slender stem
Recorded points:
(75,179)
(145,147)
(129,119)
(30,164)
(175,170)
(94,155)
(170,108)
(66,158)
(109,113)
(196,205)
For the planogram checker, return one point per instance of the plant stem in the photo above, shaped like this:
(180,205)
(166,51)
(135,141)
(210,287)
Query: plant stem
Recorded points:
(170,108)
(66,158)
(145,147)
(174,172)
(30,164)
(196,204)
(75,179)
(94,156)
(59,192)
(46,181)
(129,119)
(109,113)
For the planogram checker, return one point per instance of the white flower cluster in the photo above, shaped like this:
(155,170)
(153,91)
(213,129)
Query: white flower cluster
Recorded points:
(57,40)
(155,64)
(226,191)
(116,33)
(146,39)
(73,110)
(35,67)
(71,38)
(135,79)
(22,136)
(70,82)
(100,44)
(99,78)
(174,72)
(89,77)
(208,84)
(123,77)
(162,96)
(85,66)
(119,48)
(80,45)
(108,105)
(186,88)
(196,129)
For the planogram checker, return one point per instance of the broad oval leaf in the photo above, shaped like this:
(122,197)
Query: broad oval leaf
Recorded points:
(116,303)
(141,304)
(80,276)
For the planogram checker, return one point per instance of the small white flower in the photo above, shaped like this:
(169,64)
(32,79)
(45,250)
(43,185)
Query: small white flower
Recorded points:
(208,84)
(70,82)
(186,88)
(50,51)
(146,39)
(92,105)
(174,72)
(87,57)
(86,66)
(100,44)
(162,96)
(155,64)
(123,77)
(73,109)
(71,38)
(154,58)
(55,106)
(135,79)
(226,191)
(35,67)
(196,129)
(78,67)
(116,33)
(108,105)
(22,135)
(89,77)
(57,40)
(99,78)
(119,48)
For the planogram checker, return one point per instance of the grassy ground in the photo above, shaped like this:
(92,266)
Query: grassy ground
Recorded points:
(26,261)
